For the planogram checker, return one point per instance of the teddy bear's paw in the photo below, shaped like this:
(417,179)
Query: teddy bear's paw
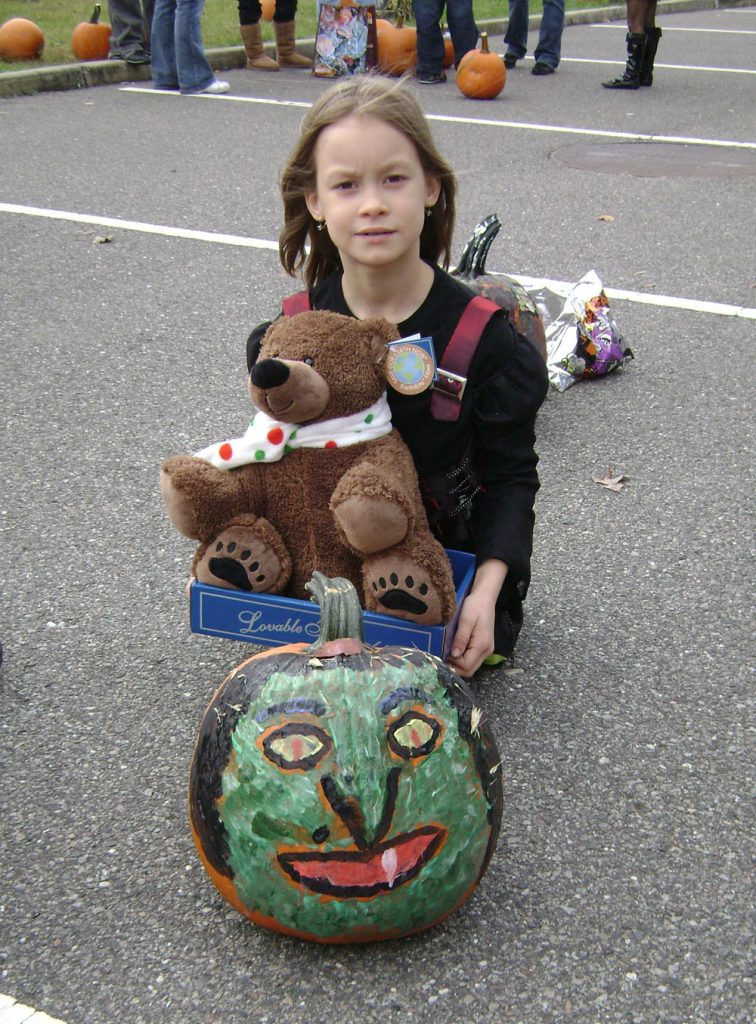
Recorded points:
(399,587)
(237,561)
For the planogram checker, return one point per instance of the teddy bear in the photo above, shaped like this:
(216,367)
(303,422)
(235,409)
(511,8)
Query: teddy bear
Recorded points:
(320,480)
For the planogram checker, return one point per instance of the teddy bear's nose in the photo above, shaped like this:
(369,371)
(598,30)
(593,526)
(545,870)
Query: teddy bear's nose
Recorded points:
(269,373)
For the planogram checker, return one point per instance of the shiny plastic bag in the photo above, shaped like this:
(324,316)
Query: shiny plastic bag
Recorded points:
(584,340)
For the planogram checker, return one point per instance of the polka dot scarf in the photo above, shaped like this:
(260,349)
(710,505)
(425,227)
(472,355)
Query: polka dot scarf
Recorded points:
(268,440)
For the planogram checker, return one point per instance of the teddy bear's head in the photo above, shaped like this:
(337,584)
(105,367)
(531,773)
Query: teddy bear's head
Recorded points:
(319,366)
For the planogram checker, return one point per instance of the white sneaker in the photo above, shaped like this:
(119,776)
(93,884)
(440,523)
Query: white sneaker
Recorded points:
(216,88)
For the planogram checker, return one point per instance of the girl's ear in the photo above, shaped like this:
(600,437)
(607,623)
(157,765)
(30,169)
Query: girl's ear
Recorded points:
(311,198)
(432,190)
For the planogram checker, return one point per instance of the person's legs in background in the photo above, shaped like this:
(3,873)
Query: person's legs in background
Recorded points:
(130,23)
(642,41)
(516,36)
(430,41)
(462,27)
(549,48)
(163,41)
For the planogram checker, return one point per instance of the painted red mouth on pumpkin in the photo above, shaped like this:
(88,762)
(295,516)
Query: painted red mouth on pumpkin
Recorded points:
(348,873)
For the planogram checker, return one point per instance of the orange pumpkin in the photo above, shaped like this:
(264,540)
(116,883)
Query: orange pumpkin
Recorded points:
(21,39)
(91,39)
(448,51)
(481,74)
(268,9)
(397,46)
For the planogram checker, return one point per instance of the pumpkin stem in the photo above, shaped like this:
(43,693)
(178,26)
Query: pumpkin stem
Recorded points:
(340,611)
(484,42)
(472,262)
(95,15)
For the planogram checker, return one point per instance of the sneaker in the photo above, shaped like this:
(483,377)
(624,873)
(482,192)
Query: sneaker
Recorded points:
(137,56)
(539,68)
(216,88)
(434,78)
(510,60)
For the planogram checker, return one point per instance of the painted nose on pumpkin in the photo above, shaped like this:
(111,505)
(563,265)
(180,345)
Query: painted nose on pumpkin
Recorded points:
(351,810)
(269,373)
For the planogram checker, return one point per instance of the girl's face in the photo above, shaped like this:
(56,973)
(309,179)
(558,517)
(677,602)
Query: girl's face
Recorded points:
(372,191)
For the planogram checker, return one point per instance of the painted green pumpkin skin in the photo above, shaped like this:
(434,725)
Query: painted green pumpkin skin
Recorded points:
(346,798)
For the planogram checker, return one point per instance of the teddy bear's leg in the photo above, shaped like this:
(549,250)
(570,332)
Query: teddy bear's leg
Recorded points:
(411,581)
(248,554)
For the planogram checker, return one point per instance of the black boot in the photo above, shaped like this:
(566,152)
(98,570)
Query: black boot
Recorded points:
(630,77)
(653,35)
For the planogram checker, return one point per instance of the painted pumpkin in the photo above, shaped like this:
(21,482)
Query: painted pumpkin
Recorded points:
(268,9)
(21,39)
(499,288)
(91,39)
(396,45)
(341,793)
(481,74)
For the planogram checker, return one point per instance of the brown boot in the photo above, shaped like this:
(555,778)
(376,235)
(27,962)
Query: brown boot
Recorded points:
(257,58)
(285,52)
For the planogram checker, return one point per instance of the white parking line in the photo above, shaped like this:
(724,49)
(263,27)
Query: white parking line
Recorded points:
(13,1012)
(667,67)
(523,125)
(693,305)
(679,28)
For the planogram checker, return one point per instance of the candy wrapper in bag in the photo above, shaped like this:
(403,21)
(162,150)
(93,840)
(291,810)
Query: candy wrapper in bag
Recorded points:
(584,340)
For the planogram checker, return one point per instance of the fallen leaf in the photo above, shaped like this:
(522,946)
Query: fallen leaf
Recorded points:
(610,480)
(101,239)
(606,217)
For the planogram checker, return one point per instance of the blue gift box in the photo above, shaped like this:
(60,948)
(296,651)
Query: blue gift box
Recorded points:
(271,620)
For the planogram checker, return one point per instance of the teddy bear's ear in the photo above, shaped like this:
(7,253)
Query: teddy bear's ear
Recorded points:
(379,333)
(254,342)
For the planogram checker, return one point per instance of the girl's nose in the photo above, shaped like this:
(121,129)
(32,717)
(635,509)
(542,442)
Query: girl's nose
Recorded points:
(372,202)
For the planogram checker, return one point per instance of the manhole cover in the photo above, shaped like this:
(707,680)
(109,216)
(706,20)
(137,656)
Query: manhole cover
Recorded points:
(659,160)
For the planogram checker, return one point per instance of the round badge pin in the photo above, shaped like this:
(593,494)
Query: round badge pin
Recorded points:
(409,369)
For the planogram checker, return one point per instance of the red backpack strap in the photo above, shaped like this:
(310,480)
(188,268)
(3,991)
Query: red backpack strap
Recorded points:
(297,303)
(446,400)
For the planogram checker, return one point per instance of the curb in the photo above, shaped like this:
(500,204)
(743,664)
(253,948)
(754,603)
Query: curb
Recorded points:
(60,77)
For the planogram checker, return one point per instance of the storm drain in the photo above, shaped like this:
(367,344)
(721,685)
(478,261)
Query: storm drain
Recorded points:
(659,160)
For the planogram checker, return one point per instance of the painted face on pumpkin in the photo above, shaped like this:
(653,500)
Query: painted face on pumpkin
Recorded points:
(353,804)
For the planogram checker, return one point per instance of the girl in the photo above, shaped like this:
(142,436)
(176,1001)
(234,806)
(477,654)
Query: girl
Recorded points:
(366,187)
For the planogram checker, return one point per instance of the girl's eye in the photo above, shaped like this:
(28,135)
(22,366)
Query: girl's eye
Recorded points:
(395,179)
(414,735)
(296,746)
(344,186)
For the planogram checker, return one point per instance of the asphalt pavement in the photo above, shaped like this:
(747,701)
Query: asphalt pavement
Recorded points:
(136,252)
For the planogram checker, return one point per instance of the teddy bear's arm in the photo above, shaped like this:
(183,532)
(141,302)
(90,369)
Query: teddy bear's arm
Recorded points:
(201,499)
(376,501)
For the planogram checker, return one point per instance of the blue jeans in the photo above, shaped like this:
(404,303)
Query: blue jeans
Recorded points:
(430,41)
(130,22)
(549,48)
(178,57)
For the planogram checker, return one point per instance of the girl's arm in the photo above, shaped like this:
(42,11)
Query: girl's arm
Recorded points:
(474,639)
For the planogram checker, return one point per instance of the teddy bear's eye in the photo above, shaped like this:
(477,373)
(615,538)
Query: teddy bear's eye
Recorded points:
(308,361)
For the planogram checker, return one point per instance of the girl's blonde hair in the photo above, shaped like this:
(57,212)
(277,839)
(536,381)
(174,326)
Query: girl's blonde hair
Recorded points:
(391,101)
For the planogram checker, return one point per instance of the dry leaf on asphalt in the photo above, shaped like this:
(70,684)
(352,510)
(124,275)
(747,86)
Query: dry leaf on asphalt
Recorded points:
(606,216)
(610,480)
(101,239)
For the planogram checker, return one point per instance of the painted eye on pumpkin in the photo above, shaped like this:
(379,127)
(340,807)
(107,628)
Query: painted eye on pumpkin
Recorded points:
(296,746)
(414,735)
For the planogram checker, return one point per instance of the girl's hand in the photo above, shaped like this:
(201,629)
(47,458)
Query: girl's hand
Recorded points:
(474,639)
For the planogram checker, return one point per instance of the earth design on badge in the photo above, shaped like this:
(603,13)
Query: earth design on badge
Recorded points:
(353,800)
(409,369)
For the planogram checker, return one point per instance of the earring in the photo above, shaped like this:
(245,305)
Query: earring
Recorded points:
(319,224)
(428,211)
